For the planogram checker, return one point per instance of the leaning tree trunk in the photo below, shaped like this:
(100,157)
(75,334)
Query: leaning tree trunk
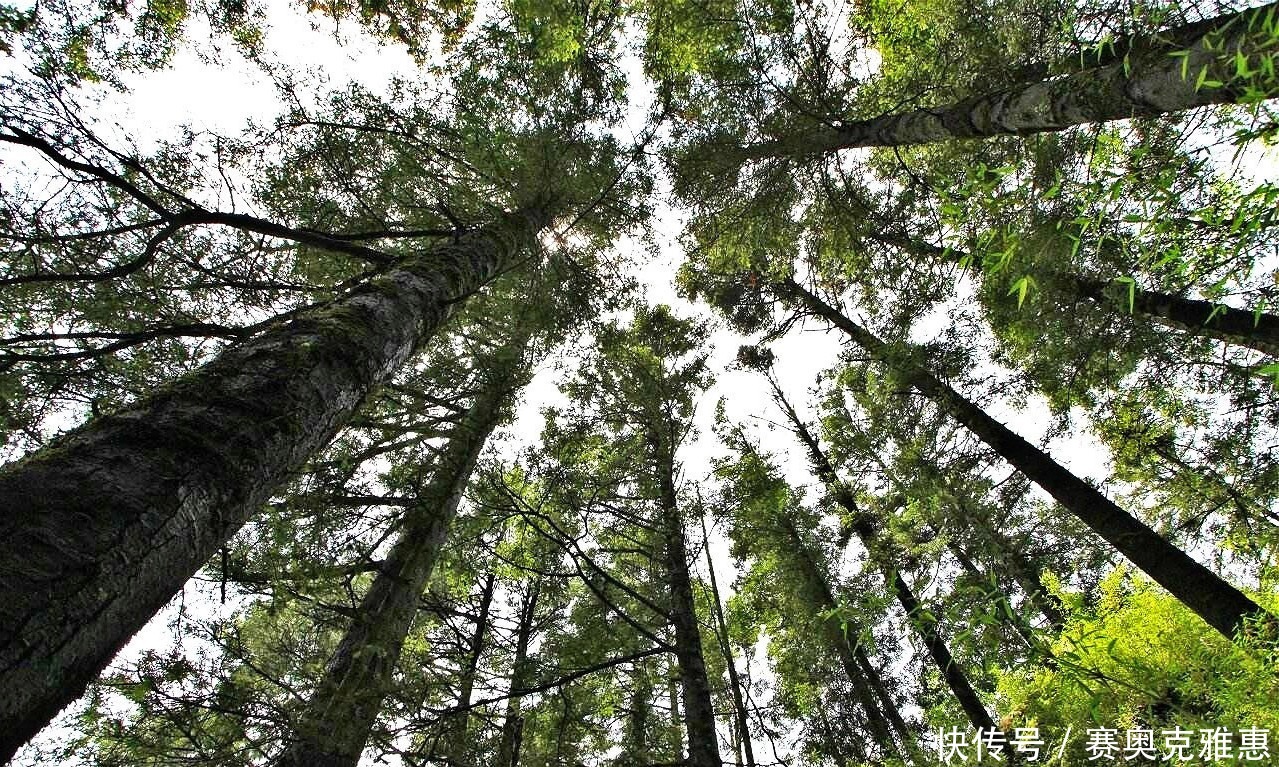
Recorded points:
(1015,563)
(335,725)
(1221,605)
(867,531)
(106,525)
(1240,327)
(839,635)
(699,715)
(745,746)
(1154,78)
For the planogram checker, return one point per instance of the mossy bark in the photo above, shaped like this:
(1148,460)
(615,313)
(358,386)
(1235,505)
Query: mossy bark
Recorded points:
(333,729)
(105,526)
(1156,76)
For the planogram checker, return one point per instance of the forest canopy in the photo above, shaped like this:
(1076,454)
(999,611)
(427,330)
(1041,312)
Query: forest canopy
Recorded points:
(527,383)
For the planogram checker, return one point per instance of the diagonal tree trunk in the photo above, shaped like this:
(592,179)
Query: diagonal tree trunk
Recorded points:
(103,527)
(867,531)
(1240,327)
(840,635)
(1221,605)
(1012,559)
(1154,77)
(333,729)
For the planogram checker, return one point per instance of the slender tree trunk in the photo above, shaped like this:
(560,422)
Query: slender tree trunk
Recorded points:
(335,725)
(1013,561)
(513,723)
(886,702)
(1240,327)
(927,627)
(106,525)
(635,748)
(699,715)
(455,739)
(867,532)
(1007,614)
(735,682)
(840,635)
(1154,78)
(1221,605)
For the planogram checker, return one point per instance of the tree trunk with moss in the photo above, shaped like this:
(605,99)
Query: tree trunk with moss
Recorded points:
(104,526)
(335,725)
(1156,76)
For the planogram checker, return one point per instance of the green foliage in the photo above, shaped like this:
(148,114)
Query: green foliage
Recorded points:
(1137,659)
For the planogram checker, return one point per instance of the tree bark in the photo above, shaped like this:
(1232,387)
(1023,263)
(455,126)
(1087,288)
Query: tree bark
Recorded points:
(1148,81)
(1221,605)
(1239,327)
(868,532)
(106,525)
(735,682)
(508,754)
(335,725)
(699,714)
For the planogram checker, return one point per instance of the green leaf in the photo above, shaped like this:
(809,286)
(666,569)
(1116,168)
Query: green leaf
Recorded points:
(1132,290)
(1022,288)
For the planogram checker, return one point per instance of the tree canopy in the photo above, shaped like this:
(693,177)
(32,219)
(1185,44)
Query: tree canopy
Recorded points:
(639,384)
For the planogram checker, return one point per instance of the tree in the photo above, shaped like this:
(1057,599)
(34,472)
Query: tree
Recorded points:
(293,350)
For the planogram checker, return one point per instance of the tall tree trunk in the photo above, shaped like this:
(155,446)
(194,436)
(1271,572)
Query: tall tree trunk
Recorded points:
(699,715)
(508,754)
(1154,78)
(840,635)
(1013,560)
(332,731)
(886,702)
(735,682)
(455,739)
(1221,605)
(831,745)
(106,525)
(1240,327)
(927,627)
(868,533)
